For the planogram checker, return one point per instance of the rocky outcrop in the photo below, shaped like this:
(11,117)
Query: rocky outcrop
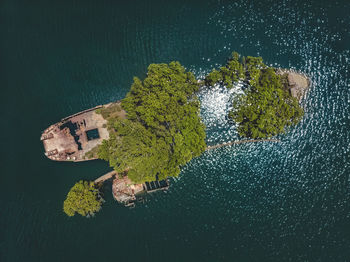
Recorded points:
(297,83)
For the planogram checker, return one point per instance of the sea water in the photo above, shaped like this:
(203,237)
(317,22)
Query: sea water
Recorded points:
(287,201)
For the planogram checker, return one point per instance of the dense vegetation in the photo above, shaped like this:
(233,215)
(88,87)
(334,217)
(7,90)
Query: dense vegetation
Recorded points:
(83,198)
(227,75)
(266,108)
(163,129)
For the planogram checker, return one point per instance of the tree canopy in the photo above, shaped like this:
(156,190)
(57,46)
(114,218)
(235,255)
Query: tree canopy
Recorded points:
(83,198)
(163,130)
(227,75)
(266,108)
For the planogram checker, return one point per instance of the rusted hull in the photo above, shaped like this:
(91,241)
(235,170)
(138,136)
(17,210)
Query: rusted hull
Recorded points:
(68,139)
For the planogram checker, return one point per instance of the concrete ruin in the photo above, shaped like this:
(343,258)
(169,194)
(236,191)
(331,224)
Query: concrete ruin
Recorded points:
(127,193)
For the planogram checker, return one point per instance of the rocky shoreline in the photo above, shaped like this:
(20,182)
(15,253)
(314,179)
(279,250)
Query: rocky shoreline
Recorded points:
(297,83)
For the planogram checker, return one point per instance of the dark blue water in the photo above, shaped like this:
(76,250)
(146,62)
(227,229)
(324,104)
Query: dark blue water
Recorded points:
(287,201)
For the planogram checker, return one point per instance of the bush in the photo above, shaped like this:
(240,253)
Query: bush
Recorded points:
(83,198)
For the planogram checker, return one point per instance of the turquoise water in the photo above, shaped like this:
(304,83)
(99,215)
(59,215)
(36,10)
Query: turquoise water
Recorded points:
(287,201)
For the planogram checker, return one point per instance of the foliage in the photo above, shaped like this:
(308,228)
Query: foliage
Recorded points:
(228,75)
(214,77)
(253,67)
(111,111)
(163,130)
(92,153)
(266,108)
(83,198)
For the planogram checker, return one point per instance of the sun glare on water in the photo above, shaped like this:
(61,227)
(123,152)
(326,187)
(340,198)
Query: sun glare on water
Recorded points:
(216,102)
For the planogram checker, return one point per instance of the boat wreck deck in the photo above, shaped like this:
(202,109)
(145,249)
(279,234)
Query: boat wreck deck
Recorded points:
(74,136)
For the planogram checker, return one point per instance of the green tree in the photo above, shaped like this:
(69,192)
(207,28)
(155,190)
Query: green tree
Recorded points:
(229,74)
(214,77)
(131,146)
(83,198)
(266,108)
(253,67)
(163,130)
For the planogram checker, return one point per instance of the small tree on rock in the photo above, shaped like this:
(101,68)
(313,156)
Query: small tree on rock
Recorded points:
(84,198)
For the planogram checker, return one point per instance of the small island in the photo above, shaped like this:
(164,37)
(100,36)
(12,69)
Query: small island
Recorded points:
(156,128)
